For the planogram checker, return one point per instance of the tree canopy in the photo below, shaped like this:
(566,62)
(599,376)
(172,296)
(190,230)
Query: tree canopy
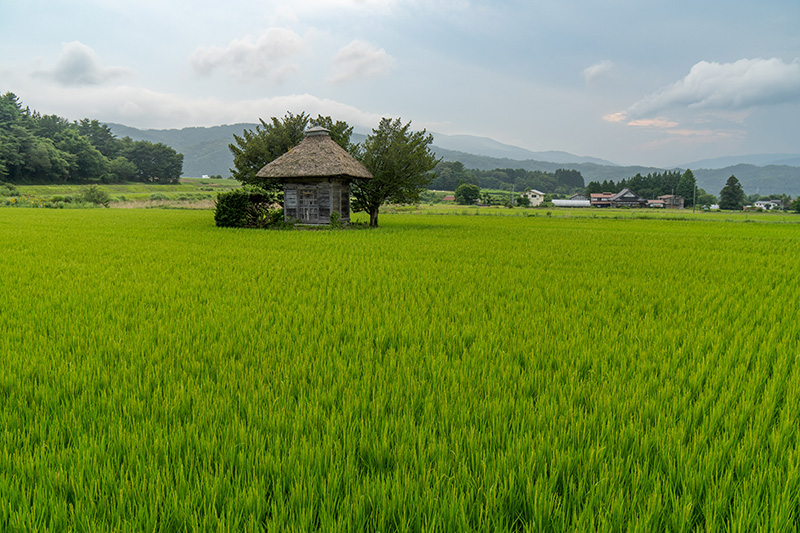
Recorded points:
(37,148)
(686,188)
(467,194)
(732,195)
(400,161)
(450,174)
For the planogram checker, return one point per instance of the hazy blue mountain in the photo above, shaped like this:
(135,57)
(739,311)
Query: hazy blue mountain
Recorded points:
(764,180)
(491,148)
(205,151)
(759,160)
(791,162)
(589,171)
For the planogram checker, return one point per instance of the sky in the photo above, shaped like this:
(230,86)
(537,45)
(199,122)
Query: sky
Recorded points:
(645,82)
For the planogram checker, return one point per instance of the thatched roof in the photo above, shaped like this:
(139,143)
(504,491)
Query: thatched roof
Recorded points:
(317,156)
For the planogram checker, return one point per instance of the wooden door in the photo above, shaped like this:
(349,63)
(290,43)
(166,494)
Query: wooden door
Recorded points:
(309,210)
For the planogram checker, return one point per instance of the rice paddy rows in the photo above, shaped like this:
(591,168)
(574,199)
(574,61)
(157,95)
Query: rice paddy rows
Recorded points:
(440,373)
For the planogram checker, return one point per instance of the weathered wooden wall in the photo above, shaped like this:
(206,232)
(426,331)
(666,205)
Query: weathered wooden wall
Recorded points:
(313,201)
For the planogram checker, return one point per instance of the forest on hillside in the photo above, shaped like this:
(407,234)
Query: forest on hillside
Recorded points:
(448,175)
(36,148)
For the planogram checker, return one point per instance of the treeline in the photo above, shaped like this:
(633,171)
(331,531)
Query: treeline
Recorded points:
(450,174)
(657,184)
(37,148)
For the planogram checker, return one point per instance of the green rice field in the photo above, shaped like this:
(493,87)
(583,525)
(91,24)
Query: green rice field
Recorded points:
(439,373)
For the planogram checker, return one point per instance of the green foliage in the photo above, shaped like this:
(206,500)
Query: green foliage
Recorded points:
(154,162)
(522,201)
(686,188)
(568,177)
(336,220)
(94,194)
(50,149)
(732,195)
(121,169)
(400,161)
(594,187)
(467,194)
(795,205)
(161,375)
(704,198)
(448,175)
(255,148)
(246,208)
(8,189)
(652,185)
(230,208)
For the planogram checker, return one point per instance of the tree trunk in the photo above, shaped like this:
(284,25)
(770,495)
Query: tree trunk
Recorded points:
(373,218)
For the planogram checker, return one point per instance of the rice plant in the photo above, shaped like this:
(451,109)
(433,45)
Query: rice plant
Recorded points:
(440,373)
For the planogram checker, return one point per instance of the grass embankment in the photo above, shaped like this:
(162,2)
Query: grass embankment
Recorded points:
(189,193)
(438,373)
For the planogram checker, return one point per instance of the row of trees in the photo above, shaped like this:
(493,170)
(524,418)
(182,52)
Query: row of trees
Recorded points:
(399,158)
(657,184)
(37,148)
(732,196)
(450,174)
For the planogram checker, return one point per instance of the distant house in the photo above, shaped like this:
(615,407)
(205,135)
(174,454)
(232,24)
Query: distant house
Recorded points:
(627,198)
(656,203)
(601,199)
(578,196)
(534,197)
(449,198)
(768,205)
(671,201)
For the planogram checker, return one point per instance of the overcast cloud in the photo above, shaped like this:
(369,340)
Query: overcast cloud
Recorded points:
(360,59)
(79,65)
(744,84)
(269,57)
(612,80)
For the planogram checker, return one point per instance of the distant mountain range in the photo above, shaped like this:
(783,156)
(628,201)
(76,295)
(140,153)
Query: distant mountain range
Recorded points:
(759,160)
(206,152)
(485,146)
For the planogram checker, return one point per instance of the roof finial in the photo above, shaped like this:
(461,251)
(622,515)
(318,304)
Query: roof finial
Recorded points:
(316,131)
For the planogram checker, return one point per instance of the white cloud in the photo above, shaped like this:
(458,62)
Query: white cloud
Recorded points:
(360,59)
(598,71)
(78,64)
(270,57)
(143,108)
(741,85)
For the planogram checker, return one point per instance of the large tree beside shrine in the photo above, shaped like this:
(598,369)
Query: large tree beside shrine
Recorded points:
(400,161)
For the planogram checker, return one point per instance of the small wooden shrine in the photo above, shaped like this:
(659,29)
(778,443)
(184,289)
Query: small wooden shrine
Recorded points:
(316,176)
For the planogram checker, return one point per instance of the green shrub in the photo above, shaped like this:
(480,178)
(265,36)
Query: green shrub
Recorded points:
(245,208)
(94,194)
(8,189)
(158,196)
(230,208)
